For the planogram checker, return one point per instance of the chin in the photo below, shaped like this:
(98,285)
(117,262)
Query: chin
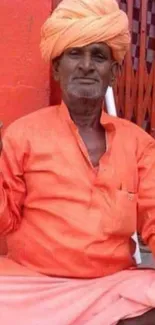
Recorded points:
(85,94)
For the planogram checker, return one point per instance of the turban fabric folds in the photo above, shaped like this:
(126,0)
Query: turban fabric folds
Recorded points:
(77,23)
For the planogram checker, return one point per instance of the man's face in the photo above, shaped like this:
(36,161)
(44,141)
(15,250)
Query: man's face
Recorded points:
(84,72)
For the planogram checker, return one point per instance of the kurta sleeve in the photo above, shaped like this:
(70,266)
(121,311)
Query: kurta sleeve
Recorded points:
(146,191)
(12,185)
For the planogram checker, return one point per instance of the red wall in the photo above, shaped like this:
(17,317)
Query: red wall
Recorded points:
(24,77)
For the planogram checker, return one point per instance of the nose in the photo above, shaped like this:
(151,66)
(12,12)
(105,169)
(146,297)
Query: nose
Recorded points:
(86,64)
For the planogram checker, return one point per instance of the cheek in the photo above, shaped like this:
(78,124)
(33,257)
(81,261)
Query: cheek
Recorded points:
(63,81)
(105,73)
(66,71)
(65,77)
(105,80)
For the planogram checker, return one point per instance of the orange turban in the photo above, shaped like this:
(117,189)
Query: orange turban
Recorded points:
(77,23)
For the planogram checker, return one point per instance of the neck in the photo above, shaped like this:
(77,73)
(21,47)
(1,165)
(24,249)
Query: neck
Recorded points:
(86,113)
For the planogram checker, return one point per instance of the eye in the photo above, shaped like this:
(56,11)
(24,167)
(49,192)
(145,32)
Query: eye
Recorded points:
(74,53)
(98,56)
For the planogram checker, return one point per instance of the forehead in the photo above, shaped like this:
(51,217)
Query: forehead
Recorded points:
(103,47)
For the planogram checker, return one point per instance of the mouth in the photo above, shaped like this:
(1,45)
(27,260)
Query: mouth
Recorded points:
(86,81)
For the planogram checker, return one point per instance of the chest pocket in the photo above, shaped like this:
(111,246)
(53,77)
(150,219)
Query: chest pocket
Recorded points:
(125,212)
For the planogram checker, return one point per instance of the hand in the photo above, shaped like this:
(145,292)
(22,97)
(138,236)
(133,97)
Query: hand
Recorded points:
(146,319)
(1,124)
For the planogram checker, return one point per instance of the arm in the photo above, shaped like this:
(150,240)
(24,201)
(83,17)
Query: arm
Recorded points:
(12,186)
(146,192)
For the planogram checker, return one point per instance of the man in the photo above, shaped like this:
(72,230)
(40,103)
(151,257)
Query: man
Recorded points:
(75,185)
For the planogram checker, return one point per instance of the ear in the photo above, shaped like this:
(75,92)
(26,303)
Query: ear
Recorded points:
(114,71)
(55,69)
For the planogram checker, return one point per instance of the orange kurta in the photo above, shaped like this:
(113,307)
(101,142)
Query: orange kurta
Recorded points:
(62,217)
